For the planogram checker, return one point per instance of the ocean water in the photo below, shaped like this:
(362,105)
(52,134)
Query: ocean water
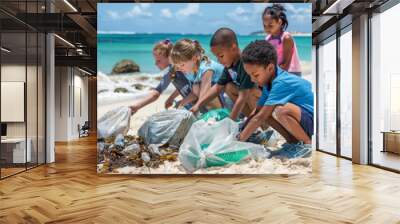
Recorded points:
(112,48)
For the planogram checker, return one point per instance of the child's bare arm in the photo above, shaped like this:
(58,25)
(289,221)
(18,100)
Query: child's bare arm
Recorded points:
(239,104)
(189,99)
(288,46)
(256,121)
(215,90)
(170,100)
(205,84)
(153,96)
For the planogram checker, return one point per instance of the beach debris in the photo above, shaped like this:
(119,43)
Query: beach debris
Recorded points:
(154,149)
(125,66)
(167,127)
(120,90)
(145,157)
(130,150)
(142,78)
(138,86)
(119,140)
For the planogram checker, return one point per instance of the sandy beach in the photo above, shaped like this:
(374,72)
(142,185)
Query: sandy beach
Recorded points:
(110,100)
(139,117)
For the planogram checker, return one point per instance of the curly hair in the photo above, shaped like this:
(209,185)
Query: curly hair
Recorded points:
(259,52)
(277,11)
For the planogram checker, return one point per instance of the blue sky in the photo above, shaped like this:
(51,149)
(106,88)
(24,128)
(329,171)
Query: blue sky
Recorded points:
(195,18)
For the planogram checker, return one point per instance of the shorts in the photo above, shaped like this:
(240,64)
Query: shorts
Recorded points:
(307,122)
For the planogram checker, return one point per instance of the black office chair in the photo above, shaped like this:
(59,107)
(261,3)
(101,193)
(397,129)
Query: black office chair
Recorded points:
(84,130)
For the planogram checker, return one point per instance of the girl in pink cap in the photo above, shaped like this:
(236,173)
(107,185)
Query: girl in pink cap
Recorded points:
(275,24)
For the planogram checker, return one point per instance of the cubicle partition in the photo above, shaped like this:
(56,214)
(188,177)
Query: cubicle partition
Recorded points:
(22,91)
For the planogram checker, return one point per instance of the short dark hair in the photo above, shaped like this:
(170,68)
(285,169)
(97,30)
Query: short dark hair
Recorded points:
(224,37)
(259,52)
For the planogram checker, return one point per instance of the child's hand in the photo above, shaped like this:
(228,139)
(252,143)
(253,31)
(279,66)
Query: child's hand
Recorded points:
(194,109)
(134,109)
(168,103)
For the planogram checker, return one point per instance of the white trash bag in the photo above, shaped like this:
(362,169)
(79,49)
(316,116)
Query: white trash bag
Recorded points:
(114,122)
(215,144)
(169,126)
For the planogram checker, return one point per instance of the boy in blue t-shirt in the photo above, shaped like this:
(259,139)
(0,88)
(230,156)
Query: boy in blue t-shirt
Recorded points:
(289,96)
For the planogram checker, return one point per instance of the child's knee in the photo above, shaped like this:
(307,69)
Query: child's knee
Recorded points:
(255,92)
(281,112)
(231,89)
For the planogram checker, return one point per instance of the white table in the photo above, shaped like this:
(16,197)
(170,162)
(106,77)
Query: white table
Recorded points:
(18,145)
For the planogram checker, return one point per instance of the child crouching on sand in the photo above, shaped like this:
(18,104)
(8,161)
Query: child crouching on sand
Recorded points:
(183,85)
(189,57)
(289,96)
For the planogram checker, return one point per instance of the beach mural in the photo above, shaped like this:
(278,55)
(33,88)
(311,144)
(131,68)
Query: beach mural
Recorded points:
(179,88)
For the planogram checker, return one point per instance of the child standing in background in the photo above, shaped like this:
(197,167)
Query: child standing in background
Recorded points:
(275,23)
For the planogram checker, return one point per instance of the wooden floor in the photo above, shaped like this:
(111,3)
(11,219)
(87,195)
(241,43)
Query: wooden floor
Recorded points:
(70,191)
(387,159)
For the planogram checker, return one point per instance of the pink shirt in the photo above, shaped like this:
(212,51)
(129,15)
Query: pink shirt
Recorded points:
(294,66)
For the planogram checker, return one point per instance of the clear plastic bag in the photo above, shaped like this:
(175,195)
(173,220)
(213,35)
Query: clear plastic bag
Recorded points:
(170,126)
(114,122)
(214,144)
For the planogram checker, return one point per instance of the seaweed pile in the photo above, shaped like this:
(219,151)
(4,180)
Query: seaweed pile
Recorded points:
(121,151)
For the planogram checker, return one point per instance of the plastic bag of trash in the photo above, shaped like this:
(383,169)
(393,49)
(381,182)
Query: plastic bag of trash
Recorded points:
(169,126)
(114,122)
(214,144)
(217,114)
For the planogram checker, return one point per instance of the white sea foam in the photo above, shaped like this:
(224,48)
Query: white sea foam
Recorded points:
(131,86)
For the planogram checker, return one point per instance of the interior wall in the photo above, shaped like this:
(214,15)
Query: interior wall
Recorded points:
(71,102)
(14,73)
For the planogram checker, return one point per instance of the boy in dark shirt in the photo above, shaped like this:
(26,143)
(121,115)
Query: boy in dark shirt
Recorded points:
(234,80)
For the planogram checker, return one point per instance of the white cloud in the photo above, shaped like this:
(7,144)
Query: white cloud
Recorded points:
(297,10)
(137,11)
(300,18)
(113,15)
(291,8)
(259,7)
(144,5)
(166,13)
(190,9)
(240,14)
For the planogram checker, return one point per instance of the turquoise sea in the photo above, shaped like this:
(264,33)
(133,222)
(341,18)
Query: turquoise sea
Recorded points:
(111,48)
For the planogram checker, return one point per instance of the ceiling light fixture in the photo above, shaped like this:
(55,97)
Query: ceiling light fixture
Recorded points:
(84,71)
(337,7)
(5,50)
(70,5)
(64,40)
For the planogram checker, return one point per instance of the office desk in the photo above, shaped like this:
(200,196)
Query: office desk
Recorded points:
(391,141)
(13,150)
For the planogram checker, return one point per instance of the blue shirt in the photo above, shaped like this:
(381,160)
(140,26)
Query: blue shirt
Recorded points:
(213,66)
(288,88)
(182,82)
